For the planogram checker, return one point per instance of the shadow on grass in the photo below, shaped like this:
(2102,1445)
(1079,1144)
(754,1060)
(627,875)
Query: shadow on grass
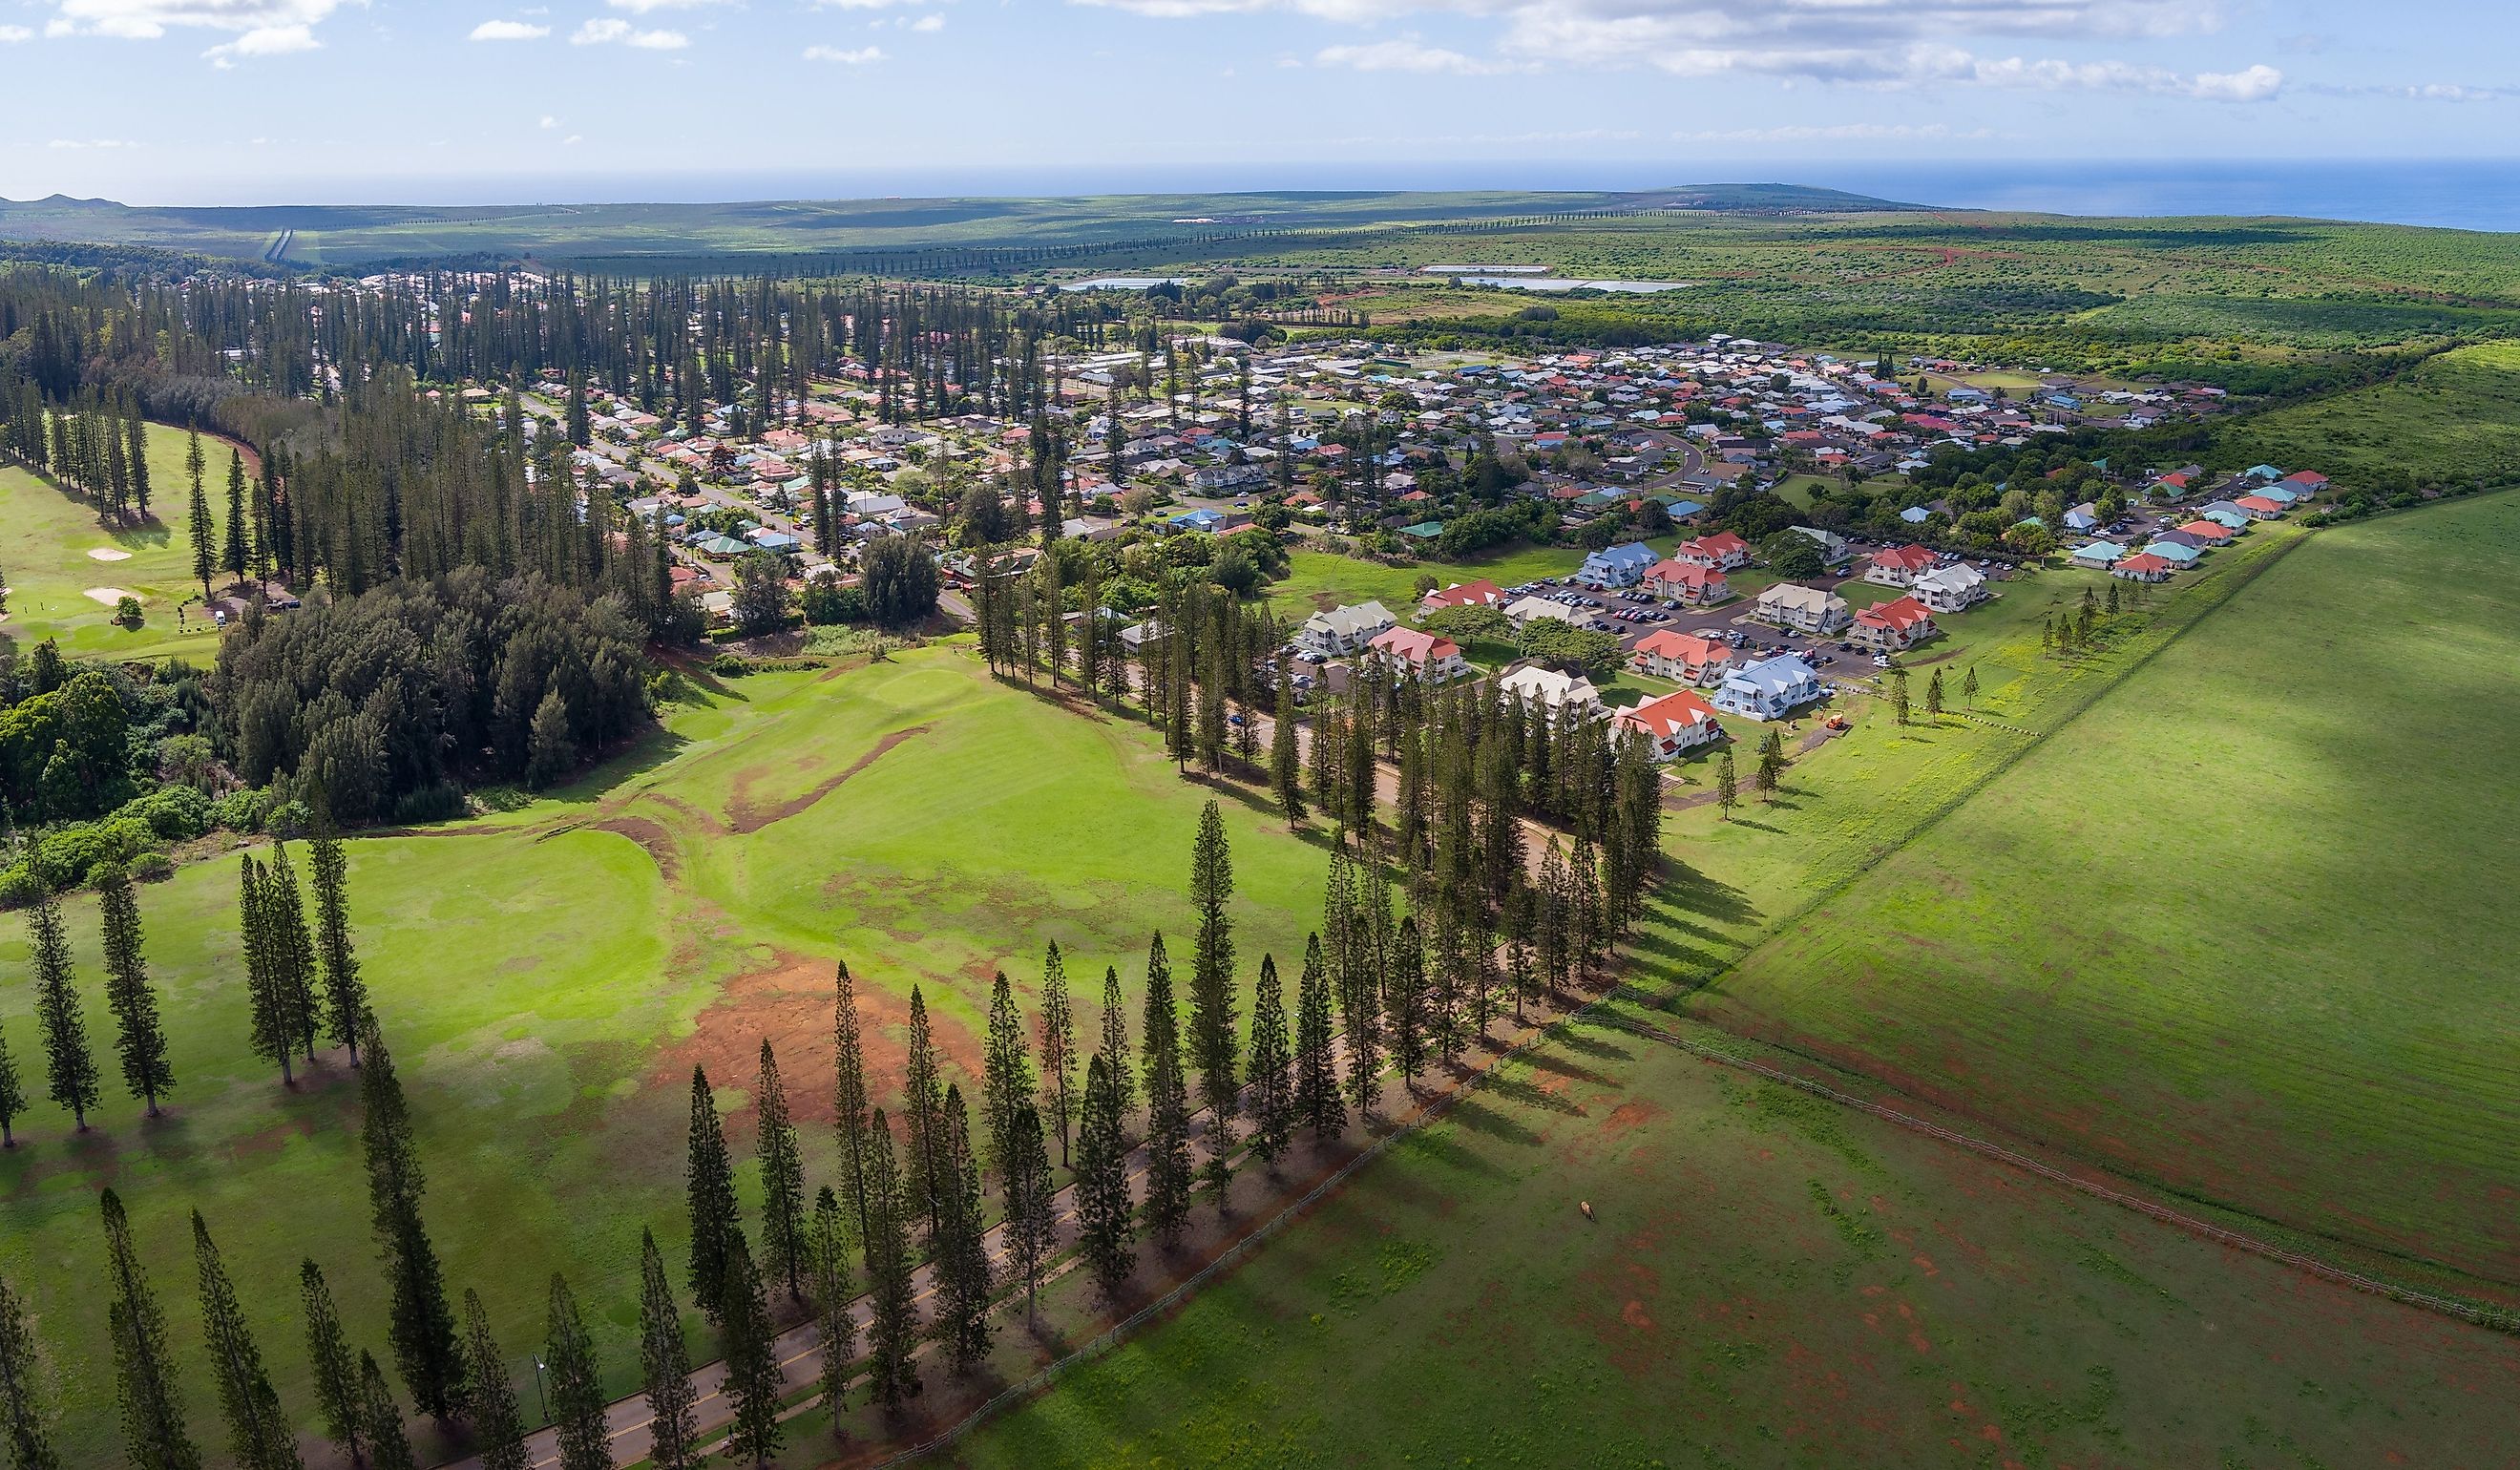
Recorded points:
(1528,1094)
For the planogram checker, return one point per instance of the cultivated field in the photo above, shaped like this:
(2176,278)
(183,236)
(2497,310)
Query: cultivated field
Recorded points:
(2241,929)
(1767,1281)
(549,977)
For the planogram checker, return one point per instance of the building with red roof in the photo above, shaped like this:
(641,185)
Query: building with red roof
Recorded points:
(1672,726)
(2259,508)
(1898,567)
(1479,593)
(1430,657)
(1721,550)
(1892,627)
(1684,656)
(2210,532)
(1688,583)
(2142,566)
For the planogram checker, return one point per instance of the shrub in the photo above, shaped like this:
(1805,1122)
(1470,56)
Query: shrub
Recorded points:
(442,802)
(240,811)
(19,887)
(152,868)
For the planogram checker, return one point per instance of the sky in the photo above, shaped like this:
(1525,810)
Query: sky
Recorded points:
(463,101)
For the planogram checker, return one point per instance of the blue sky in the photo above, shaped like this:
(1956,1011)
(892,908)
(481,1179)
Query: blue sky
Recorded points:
(248,100)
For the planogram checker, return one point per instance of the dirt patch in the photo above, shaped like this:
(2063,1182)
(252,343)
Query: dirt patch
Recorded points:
(750,816)
(1628,1115)
(109,596)
(655,838)
(108,553)
(789,1005)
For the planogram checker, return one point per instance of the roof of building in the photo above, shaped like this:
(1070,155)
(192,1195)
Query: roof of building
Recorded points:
(1670,715)
(1898,614)
(1774,675)
(1545,686)
(1413,647)
(1796,594)
(1907,558)
(1481,593)
(1688,647)
(1352,619)
(1686,573)
(1627,553)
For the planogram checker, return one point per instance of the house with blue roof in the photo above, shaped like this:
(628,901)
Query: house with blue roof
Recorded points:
(2099,555)
(2262,473)
(2175,554)
(1769,690)
(1201,519)
(1622,566)
(2224,514)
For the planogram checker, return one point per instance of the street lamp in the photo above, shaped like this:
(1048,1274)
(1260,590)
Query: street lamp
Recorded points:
(539,1394)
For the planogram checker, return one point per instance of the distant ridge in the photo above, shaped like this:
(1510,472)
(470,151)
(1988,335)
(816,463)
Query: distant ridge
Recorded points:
(366,236)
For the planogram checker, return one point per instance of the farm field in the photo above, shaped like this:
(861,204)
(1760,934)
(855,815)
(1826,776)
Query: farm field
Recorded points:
(1767,1281)
(549,976)
(46,536)
(2240,930)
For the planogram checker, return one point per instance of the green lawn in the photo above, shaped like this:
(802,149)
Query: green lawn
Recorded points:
(46,536)
(2243,928)
(2456,416)
(1767,1281)
(1318,581)
(549,976)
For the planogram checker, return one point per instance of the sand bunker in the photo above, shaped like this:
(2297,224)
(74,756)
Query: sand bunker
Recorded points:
(109,596)
(109,554)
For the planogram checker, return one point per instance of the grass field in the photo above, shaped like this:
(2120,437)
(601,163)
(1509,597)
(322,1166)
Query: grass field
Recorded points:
(2216,931)
(1317,581)
(548,978)
(46,536)
(1767,1281)
(2456,417)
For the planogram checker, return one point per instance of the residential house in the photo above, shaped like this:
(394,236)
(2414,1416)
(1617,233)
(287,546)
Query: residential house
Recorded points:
(2259,507)
(2099,555)
(1672,726)
(1523,609)
(2225,514)
(1898,567)
(1684,656)
(1723,551)
(1892,627)
(1432,658)
(1479,593)
(1956,588)
(1769,690)
(2083,517)
(1688,583)
(1538,684)
(2208,533)
(1834,550)
(2143,566)
(1622,566)
(1342,631)
(1805,609)
(2179,555)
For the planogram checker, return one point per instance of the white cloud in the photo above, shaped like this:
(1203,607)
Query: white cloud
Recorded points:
(91,143)
(268,40)
(549,123)
(1831,131)
(644,7)
(573,140)
(1859,42)
(147,19)
(508,31)
(609,30)
(10,35)
(864,55)
(928,22)
(1405,55)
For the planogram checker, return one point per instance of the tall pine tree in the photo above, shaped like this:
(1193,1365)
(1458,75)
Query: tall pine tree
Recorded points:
(1273,1094)
(346,994)
(1168,1154)
(13,1096)
(498,1426)
(708,1179)
(923,1105)
(747,1342)
(1317,1090)
(146,1375)
(664,1366)
(1057,1036)
(70,1069)
(962,1278)
(833,1324)
(26,1420)
(1106,1231)
(1115,1045)
(892,1320)
(420,1321)
(381,1419)
(783,1179)
(1007,1080)
(259,1436)
(574,1384)
(140,1038)
(849,1095)
(328,1354)
(1213,1035)
(1031,1217)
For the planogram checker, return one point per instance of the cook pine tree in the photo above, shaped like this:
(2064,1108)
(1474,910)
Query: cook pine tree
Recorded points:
(1168,1151)
(849,1095)
(259,1435)
(498,1425)
(70,1074)
(1031,1193)
(1006,1082)
(1212,1020)
(13,1096)
(1055,1039)
(1272,1079)
(1115,1045)
(747,1340)
(1317,1099)
(147,1378)
(709,1180)
(267,998)
(892,1318)
(665,1364)
(381,1419)
(923,1104)
(961,1257)
(1106,1228)
(833,1323)
(140,1036)
(420,1322)
(25,1416)
(345,994)
(782,1178)
(574,1383)
(327,1356)
(197,518)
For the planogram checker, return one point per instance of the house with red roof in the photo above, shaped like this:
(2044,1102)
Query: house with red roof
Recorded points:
(2142,566)
(2210,532)
(1898,567)
(1479,593)
(2259,508)
(2309,481)
(1721,550)
(1686,583)
(1672,726)
(1432,657)
(1684,656)
(1892,627)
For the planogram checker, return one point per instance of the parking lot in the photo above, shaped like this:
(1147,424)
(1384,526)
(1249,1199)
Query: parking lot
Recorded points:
(1632,616)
